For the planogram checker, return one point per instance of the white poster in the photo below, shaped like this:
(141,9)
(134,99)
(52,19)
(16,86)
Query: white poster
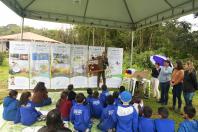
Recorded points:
(19,65)
(114,71)
(40,64)
(94,52)
(60,66)
(79,55)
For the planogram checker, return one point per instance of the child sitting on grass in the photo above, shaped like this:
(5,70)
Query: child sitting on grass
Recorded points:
(95,106)
(103,95)
(40,97)
(10,106)
(125,116)
(106,121)
(138,104)
(189,124)
(71,94)
(116,98)
(27,114)
(54,123)
(80,115)
(146,124)
(64,105)
(90,95)
(163,124)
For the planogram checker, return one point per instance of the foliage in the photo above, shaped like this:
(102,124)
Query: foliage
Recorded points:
(2,57)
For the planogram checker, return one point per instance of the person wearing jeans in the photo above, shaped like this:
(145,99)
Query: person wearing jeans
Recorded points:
(164,79)
(155,80)
(190,83)
(177,83)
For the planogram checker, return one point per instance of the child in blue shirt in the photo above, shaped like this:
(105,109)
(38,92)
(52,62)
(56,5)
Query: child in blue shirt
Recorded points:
(80,115)
(27,114)
(10,106)
(163,124)
(125,116)
(104,94)
(90,95)
(106,122)
(189,125)
(146,124)
(116,98)
(95,106)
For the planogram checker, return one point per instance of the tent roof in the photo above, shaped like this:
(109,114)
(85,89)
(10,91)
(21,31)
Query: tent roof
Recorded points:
(124,14)
(28,36)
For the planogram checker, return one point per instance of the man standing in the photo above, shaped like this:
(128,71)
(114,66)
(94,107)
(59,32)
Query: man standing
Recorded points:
(102,64)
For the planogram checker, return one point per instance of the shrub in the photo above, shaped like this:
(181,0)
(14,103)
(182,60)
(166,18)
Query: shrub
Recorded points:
(2,57)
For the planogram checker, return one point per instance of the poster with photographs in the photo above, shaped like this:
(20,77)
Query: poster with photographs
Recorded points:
(79,58)
(114,71)
(18,65)
(60,66)
(94,53)
(39,64)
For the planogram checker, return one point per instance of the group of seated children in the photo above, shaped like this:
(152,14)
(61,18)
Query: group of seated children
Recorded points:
(117,112)
(23,111)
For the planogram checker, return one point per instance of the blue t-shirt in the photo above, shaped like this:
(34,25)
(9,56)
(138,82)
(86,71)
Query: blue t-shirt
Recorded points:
(188,126)
(164,125)
(103,97)
(80,117)
(107,121)
(146,125)
(10,106)
(126,119)
(95,108)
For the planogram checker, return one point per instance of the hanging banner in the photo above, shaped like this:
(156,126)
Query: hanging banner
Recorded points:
(19,65)
(114,71)
(94,52)
(60,66)
(79,55)
(40,64)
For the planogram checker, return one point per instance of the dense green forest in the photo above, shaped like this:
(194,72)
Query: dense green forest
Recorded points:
(173,39)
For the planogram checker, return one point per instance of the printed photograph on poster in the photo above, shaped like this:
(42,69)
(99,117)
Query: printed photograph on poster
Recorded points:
(94,53)
(79,65)
(19,65)
(60,66)
(114,71)
(40,64)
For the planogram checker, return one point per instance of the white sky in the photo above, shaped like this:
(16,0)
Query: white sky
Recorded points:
(9,17)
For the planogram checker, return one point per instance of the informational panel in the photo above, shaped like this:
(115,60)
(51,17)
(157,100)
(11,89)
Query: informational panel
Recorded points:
(79,58)
(114,71)
(40,64)
(94,52)
(60,66)
(19,65)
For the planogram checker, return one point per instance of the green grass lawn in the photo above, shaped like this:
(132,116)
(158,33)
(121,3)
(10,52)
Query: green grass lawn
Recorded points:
(151,101)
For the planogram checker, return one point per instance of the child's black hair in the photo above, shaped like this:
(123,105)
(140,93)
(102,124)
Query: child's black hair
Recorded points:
(40,87)
(190,111)
(104,87)
(163,112)
(90,91)
(24,98)
(121,89)
(115,94)
(147,111)
(63,96)
(96,94)
(13,93)
(80,98)
(110,100)
(70,87)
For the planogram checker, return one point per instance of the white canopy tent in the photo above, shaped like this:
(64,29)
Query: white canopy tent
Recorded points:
(115,14)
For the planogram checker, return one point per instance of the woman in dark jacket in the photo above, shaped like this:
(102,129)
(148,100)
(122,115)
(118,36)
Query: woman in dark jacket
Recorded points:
(190,83)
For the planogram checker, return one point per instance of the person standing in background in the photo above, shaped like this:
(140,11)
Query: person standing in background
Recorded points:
(164,79)
(155,81)
(190,83)
(177,83)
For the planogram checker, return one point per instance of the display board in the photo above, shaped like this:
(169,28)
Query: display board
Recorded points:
(19,65)
(59,65)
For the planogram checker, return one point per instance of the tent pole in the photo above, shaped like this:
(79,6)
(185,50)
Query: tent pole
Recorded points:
(93,36)
(132,40)
(22,27)
(105,38)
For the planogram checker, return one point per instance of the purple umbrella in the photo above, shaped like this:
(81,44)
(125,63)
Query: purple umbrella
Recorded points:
(158,59)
